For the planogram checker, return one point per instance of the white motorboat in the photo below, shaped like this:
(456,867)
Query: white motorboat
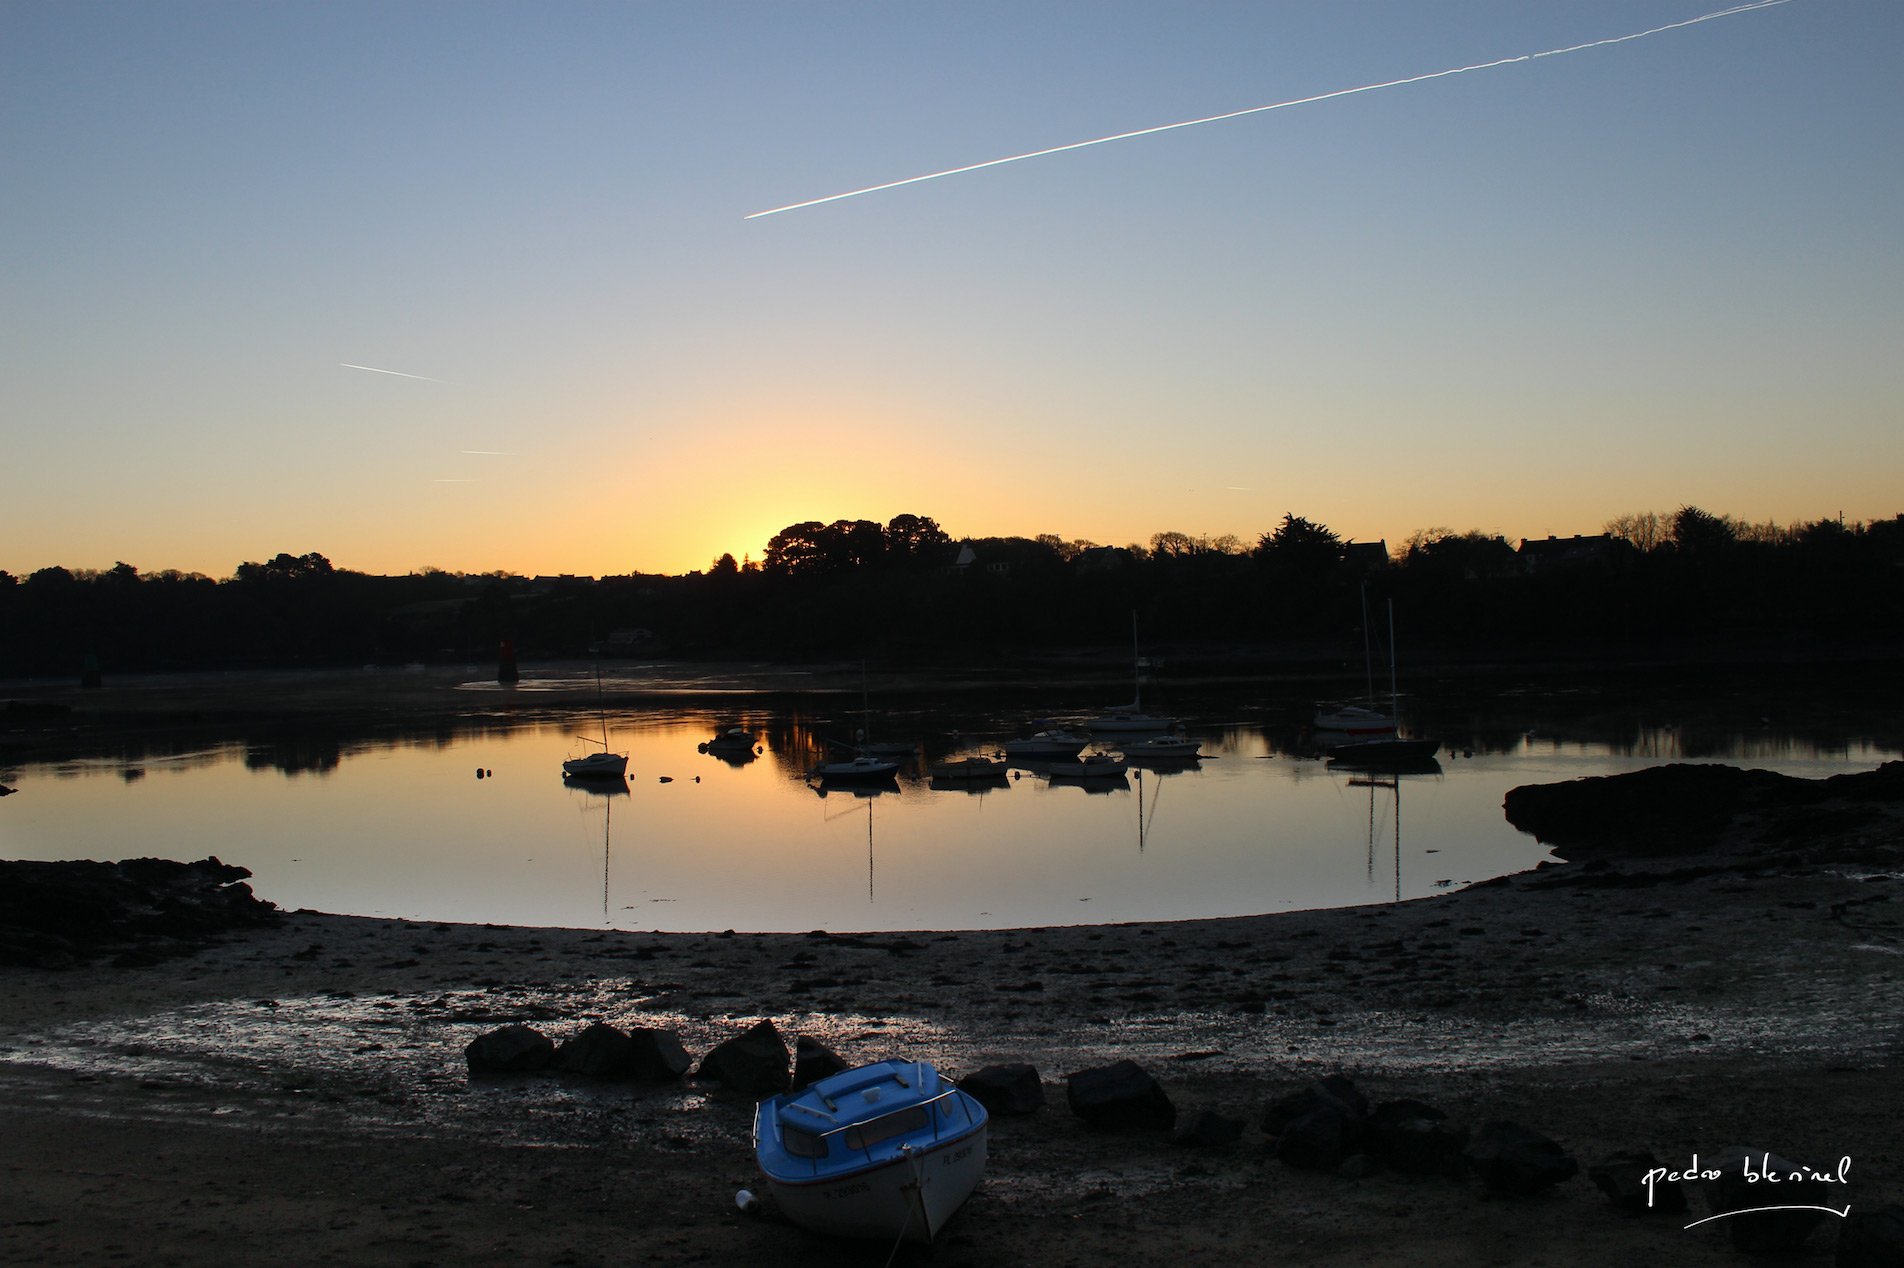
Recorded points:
(858,768)
(1055,743)
(602,765)
(887,1151)
(1132,718)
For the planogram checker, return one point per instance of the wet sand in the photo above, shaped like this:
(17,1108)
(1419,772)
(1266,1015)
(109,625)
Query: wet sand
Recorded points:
(299,1093)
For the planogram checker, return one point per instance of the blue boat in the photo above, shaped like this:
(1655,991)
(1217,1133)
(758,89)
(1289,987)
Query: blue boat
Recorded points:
(888,1150)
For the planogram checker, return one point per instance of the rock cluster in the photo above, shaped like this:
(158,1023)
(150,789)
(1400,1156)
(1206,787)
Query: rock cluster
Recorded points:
(601,1050)
(139,911)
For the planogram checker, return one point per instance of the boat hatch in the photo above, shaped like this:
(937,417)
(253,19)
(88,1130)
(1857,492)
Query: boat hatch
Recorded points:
(866,1114)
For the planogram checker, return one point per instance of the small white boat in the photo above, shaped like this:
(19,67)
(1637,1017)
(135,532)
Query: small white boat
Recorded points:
(597,766)
(857,768)
(1161,746)
(1057,743)
(602,765)
(887,1151)
(1132,718)
(1353,719)
(733,740)
(969,768)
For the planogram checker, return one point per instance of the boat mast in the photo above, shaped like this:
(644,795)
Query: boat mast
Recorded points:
(1137,672)
(1394,697)
(1368,657)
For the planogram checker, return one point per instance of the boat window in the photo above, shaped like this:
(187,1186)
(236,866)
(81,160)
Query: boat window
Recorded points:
(866,1135)
(802,1144)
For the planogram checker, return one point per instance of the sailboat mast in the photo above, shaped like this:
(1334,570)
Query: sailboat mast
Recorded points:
(1137,672)
(1394,697)
(1368,657)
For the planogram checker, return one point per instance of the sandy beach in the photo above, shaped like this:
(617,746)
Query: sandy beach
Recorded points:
(299,1092)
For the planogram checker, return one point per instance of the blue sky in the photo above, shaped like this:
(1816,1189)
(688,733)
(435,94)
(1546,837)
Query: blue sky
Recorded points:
(1524,299)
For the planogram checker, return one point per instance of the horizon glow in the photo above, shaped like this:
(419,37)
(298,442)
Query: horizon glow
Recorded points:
(1664,274)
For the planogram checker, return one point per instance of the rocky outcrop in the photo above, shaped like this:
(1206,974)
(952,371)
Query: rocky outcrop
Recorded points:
(511,1050)
(1624,1178)
(1119,1095)
(1518,1160)
(1012,1088)
(754,1064)
(1692,808)
(139,911)
(1752,1178)
(813,1061)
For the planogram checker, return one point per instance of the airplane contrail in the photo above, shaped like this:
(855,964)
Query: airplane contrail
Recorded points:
(400,374)
(1298,101)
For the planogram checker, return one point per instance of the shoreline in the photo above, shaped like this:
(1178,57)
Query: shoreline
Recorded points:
(1743,1006)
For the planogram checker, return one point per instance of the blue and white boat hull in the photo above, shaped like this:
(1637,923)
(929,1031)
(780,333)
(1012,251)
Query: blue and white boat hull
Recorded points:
(888,1151)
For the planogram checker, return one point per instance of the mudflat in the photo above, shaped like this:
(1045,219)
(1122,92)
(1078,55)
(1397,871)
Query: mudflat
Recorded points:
(297,1092)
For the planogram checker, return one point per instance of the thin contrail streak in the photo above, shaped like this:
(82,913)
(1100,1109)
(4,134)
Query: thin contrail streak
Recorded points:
(489,453)
(426,378)
(1299,101)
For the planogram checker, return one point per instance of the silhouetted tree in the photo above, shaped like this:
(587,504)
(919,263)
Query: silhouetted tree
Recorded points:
(1300,548)
(1700,532)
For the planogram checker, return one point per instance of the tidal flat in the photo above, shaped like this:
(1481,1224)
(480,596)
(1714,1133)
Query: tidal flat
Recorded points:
(298,1092)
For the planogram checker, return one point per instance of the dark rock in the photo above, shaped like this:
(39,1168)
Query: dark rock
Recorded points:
(1335,1093)
(1415,1137)
(1013,1088)
(754,1064)
(1677,809)
(1357,1166)
(512,1050)
(1746,1181)
(813,1061)
(1872,1239)
(1207,1129)
(1513,1159)
(1119,1095)
(1317,1141)
(71,912)
(601,1050)
(1622,1177)
(656,1055)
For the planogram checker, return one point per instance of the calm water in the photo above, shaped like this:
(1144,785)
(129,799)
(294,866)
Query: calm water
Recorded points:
(402,827)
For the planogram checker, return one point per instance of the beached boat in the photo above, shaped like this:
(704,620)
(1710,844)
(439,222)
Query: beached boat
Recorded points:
(1056,743)
(886,1151)
(968,768)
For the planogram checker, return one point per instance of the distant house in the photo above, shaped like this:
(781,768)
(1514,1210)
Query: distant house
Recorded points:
(1537,556)
(963,563)
(1366,558)
(1101,559)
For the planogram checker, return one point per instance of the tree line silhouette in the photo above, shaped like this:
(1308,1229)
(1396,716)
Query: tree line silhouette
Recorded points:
(1686,583)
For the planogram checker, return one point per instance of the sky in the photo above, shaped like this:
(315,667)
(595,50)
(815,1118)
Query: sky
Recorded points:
(1524,299)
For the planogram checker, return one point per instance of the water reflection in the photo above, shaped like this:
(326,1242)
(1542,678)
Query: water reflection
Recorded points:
(394,825)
